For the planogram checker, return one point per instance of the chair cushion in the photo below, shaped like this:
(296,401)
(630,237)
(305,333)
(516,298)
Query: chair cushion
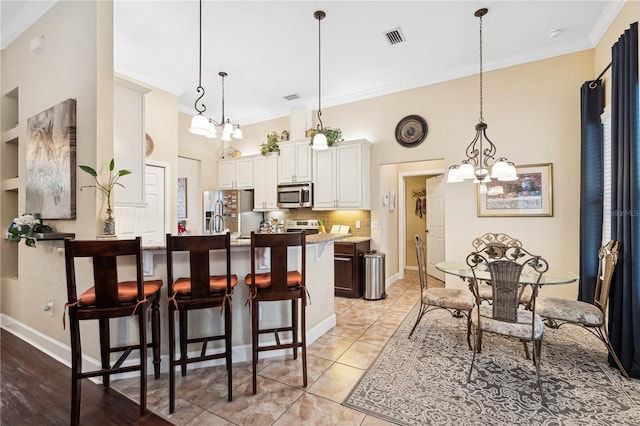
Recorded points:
(127,292)
(217,284)
(294,278)
(453,298)
(520,329)
(569,310)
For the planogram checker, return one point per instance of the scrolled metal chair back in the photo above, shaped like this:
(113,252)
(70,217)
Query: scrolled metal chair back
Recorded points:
(505,266)
(607,260)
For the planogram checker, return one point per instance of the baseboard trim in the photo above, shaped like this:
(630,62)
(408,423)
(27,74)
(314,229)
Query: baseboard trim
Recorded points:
(62,353)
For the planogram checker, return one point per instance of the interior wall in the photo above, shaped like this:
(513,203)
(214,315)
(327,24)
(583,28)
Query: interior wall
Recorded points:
(68,67)
(190,169)
(415,216)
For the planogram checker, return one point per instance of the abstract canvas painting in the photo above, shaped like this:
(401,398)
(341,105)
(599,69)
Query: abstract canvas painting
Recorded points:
(51,162)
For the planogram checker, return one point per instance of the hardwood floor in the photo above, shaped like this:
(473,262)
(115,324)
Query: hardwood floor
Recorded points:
(36,390)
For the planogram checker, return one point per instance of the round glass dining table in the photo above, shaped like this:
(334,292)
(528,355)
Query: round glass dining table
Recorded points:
(528,277)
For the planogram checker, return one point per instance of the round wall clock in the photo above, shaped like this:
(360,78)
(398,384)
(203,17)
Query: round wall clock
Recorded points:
(411,131)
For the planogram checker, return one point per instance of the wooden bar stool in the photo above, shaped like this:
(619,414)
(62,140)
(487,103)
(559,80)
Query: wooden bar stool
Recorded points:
(280,283)
(201,290)
(109,298)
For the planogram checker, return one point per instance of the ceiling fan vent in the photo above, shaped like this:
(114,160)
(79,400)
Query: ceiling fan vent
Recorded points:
(394,36)
(292,97)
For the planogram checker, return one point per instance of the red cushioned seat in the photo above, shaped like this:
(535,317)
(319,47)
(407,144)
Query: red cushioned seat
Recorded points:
(217,283)
(294,278)
(127,292)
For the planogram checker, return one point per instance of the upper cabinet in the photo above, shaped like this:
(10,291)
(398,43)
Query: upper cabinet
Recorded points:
(236,173)
(341,177)
(129,141)
(265,172)
(294,162)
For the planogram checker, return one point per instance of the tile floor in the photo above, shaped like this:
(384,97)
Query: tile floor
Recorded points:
(335,363)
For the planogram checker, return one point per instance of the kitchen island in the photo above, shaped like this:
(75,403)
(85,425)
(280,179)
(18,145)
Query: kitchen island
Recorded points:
(319,282)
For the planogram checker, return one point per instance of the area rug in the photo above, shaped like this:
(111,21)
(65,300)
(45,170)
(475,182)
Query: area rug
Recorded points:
(422,380)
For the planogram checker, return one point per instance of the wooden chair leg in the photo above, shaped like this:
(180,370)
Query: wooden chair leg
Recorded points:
(76,369)
(254,343)
(142,324)
(183,342)
(155,335)
(105,345)
(294,326)
(228,349)
(303,326)
(172,362)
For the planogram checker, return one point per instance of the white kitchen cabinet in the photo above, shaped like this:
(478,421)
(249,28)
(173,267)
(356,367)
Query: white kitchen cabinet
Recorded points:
(236,173)
(129,141)
(265,172)
(341,177)
(294,162)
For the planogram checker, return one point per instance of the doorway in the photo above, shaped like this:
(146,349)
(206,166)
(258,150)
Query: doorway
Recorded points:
(434,210)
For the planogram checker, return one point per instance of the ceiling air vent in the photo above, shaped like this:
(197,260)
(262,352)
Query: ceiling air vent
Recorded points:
(292,97)
(394,36)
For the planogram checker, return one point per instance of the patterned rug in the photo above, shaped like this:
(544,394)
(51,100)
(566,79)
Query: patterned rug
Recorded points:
(423,380)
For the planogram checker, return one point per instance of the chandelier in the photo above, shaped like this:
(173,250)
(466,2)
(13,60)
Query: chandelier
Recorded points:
(480,164)
(319,139)
(205,126)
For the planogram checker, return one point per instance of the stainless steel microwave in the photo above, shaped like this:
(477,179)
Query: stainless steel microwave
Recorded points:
(295,196)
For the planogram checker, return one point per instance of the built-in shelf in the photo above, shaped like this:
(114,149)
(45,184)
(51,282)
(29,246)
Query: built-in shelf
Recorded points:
(10,184)
(11,135)
(53,235)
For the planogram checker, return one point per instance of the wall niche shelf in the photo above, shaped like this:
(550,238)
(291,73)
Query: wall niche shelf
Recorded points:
(40,236)
(11,135)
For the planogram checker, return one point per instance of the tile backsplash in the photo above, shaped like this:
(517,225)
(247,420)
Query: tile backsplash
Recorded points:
(330,218)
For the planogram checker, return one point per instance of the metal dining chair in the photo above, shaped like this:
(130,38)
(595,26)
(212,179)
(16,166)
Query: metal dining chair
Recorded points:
(505,315)
(557,312)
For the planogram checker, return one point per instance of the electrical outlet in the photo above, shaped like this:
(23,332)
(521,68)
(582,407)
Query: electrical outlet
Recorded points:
(48,306)
(374,224)
(357,224)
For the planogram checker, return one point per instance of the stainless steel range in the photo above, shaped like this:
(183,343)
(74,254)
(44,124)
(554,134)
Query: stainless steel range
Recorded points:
(310,226)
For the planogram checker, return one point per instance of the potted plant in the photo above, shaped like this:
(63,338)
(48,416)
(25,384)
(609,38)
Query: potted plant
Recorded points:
(333,135)
(271,145)
(106,188)
(24,227)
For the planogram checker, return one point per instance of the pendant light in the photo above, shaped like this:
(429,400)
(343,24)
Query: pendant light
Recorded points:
(205,126)
(319,139)
(481,151)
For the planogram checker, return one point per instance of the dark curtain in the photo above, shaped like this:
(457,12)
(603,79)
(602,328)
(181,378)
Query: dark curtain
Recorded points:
(624,301)
(591,186)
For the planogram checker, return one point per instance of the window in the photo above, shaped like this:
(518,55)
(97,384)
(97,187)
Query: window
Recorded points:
(605,118)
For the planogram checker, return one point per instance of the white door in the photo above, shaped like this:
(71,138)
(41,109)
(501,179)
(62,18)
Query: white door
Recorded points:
(153,220)
(435,225)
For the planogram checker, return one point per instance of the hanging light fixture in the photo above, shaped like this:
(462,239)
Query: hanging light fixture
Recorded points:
(481,151)
(319,139)
(200,124)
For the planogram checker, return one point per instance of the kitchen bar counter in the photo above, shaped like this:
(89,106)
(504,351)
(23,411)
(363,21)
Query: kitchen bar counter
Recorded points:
(311,239)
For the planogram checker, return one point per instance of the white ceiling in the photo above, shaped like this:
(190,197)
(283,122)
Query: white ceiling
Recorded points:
(270,48)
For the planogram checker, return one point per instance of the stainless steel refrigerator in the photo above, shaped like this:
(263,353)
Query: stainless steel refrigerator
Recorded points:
(230,209)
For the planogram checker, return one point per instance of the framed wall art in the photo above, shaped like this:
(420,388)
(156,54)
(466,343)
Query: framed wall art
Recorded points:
(530,195)
(51,162)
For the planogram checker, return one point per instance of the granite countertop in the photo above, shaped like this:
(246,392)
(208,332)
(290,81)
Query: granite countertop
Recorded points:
(311,239)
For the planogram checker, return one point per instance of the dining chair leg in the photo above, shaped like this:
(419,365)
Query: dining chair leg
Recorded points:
(183,342)
(303,326)
(228,349)
(605,338)
(105,354)
(294,325)
(423,308)
(475,351)
(142,335)
(468,330)
(536,348)
(76,369)
(254,344)
(155,335)
(172,357)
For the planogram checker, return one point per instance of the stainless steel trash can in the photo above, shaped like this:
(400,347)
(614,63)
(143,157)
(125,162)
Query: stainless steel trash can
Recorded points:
(374,275)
